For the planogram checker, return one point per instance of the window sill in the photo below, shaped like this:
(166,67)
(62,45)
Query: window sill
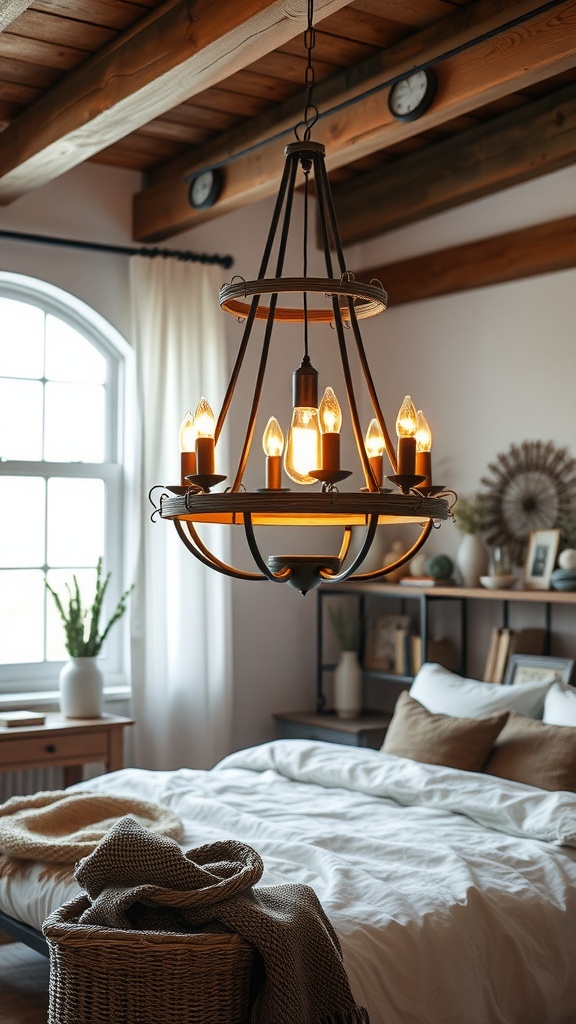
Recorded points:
(48,700)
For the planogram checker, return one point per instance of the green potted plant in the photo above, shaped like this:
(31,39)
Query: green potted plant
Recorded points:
(348,673)
(472,554)
(81,681)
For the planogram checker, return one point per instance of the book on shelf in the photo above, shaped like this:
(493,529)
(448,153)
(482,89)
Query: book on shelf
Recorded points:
(415,653)
(381,642)
(402,651)
(505,642)
(490,665)
(502,652)
(441,651)
(408,652)
(21,718)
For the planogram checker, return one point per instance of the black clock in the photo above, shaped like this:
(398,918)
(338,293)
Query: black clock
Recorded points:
(205,188)
(412,96)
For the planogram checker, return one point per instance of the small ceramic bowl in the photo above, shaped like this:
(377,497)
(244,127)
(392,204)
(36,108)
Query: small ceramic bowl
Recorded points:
(563,579)
(498,582)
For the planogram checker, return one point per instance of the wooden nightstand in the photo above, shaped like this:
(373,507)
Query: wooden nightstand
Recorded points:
(368,730)
(67,743)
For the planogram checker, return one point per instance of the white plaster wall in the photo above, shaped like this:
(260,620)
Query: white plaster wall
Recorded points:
(489,367)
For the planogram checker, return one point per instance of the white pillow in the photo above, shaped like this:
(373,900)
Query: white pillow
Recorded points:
(445,693)
(560,705)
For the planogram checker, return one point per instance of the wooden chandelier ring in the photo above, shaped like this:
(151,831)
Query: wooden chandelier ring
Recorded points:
(369,299)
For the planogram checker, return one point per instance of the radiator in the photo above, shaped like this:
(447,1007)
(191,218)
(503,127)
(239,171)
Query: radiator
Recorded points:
(30,780)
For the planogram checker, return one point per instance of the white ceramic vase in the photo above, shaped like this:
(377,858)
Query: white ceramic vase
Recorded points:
(81,688)
(472,560)
(348,686)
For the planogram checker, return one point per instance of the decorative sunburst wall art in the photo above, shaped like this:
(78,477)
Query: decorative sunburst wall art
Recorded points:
(532,486)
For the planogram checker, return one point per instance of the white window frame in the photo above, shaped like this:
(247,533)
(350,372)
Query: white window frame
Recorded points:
(41,679)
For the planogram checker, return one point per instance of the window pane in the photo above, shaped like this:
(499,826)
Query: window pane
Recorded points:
(55,635)
(22,511)
(75,521)
(21,420)
(70,356)
(75,423)
(21,616)
(21,340)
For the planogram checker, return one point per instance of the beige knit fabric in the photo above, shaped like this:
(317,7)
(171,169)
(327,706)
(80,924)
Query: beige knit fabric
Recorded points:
(137,880)
(62,826)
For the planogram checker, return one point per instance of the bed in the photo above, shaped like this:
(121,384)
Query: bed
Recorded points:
(452,891)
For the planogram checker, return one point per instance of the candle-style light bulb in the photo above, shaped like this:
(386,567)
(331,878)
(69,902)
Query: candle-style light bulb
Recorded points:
(406,425)
(330,417)
(187,448)
(374,444)
(273,445)
(303,445)
(273,438)
(423,450)
(330,413)
(423,433)
(205,424)
(204,420)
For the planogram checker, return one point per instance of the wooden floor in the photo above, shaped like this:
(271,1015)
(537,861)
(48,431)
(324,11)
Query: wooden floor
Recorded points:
(23,985)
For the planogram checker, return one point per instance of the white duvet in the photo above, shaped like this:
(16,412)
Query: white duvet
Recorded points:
(453,893)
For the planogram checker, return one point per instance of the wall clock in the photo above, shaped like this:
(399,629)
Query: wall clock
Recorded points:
(532,486)
(411,97)
(205,188)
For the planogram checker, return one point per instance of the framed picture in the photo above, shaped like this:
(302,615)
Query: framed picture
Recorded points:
(541,558)
(529,668)
(381,648)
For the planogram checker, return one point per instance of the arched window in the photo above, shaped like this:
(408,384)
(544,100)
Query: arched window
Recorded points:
(65,387)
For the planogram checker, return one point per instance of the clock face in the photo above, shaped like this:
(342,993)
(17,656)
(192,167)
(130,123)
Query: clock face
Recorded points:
(205,189)
(411,96)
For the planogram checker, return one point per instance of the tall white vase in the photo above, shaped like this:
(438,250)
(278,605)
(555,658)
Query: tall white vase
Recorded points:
(472,560)
(348,686)
(81,688)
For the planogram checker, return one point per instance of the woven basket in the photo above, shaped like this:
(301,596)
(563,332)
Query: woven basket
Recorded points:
(111,976)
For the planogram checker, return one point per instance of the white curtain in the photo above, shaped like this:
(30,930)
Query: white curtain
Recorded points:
(181,609)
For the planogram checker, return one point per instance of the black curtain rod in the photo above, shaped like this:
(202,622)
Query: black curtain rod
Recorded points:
(123,250)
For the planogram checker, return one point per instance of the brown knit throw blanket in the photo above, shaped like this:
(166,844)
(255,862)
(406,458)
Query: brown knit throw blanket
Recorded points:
(140,880)
(63,826)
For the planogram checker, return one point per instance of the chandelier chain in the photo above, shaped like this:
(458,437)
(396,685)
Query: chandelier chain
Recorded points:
(311,114)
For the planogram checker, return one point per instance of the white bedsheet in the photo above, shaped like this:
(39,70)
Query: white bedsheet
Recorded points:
(453,893)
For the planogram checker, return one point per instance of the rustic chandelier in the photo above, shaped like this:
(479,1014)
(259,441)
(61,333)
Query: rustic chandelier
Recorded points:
(312,450)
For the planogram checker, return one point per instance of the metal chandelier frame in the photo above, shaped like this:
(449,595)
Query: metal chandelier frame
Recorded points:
(347,302)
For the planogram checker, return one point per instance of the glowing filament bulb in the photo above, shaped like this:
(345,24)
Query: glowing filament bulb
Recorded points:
(423,450)
(330,417)
(204,420)
(330,413)
(205,429)
(187,433)
(273,445)
(374,440)
(423,433)
(406,424)
(374,444)
(187,448)
(406,421)
(273,438)
(303,448)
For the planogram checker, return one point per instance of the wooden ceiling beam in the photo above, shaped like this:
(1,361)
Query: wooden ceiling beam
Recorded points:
(496,67)
(176,51)
(10,11)
(523,144)
(542,249)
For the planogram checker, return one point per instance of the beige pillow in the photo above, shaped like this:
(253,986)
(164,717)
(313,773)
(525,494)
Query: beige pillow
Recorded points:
(535,753)
(441,739)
